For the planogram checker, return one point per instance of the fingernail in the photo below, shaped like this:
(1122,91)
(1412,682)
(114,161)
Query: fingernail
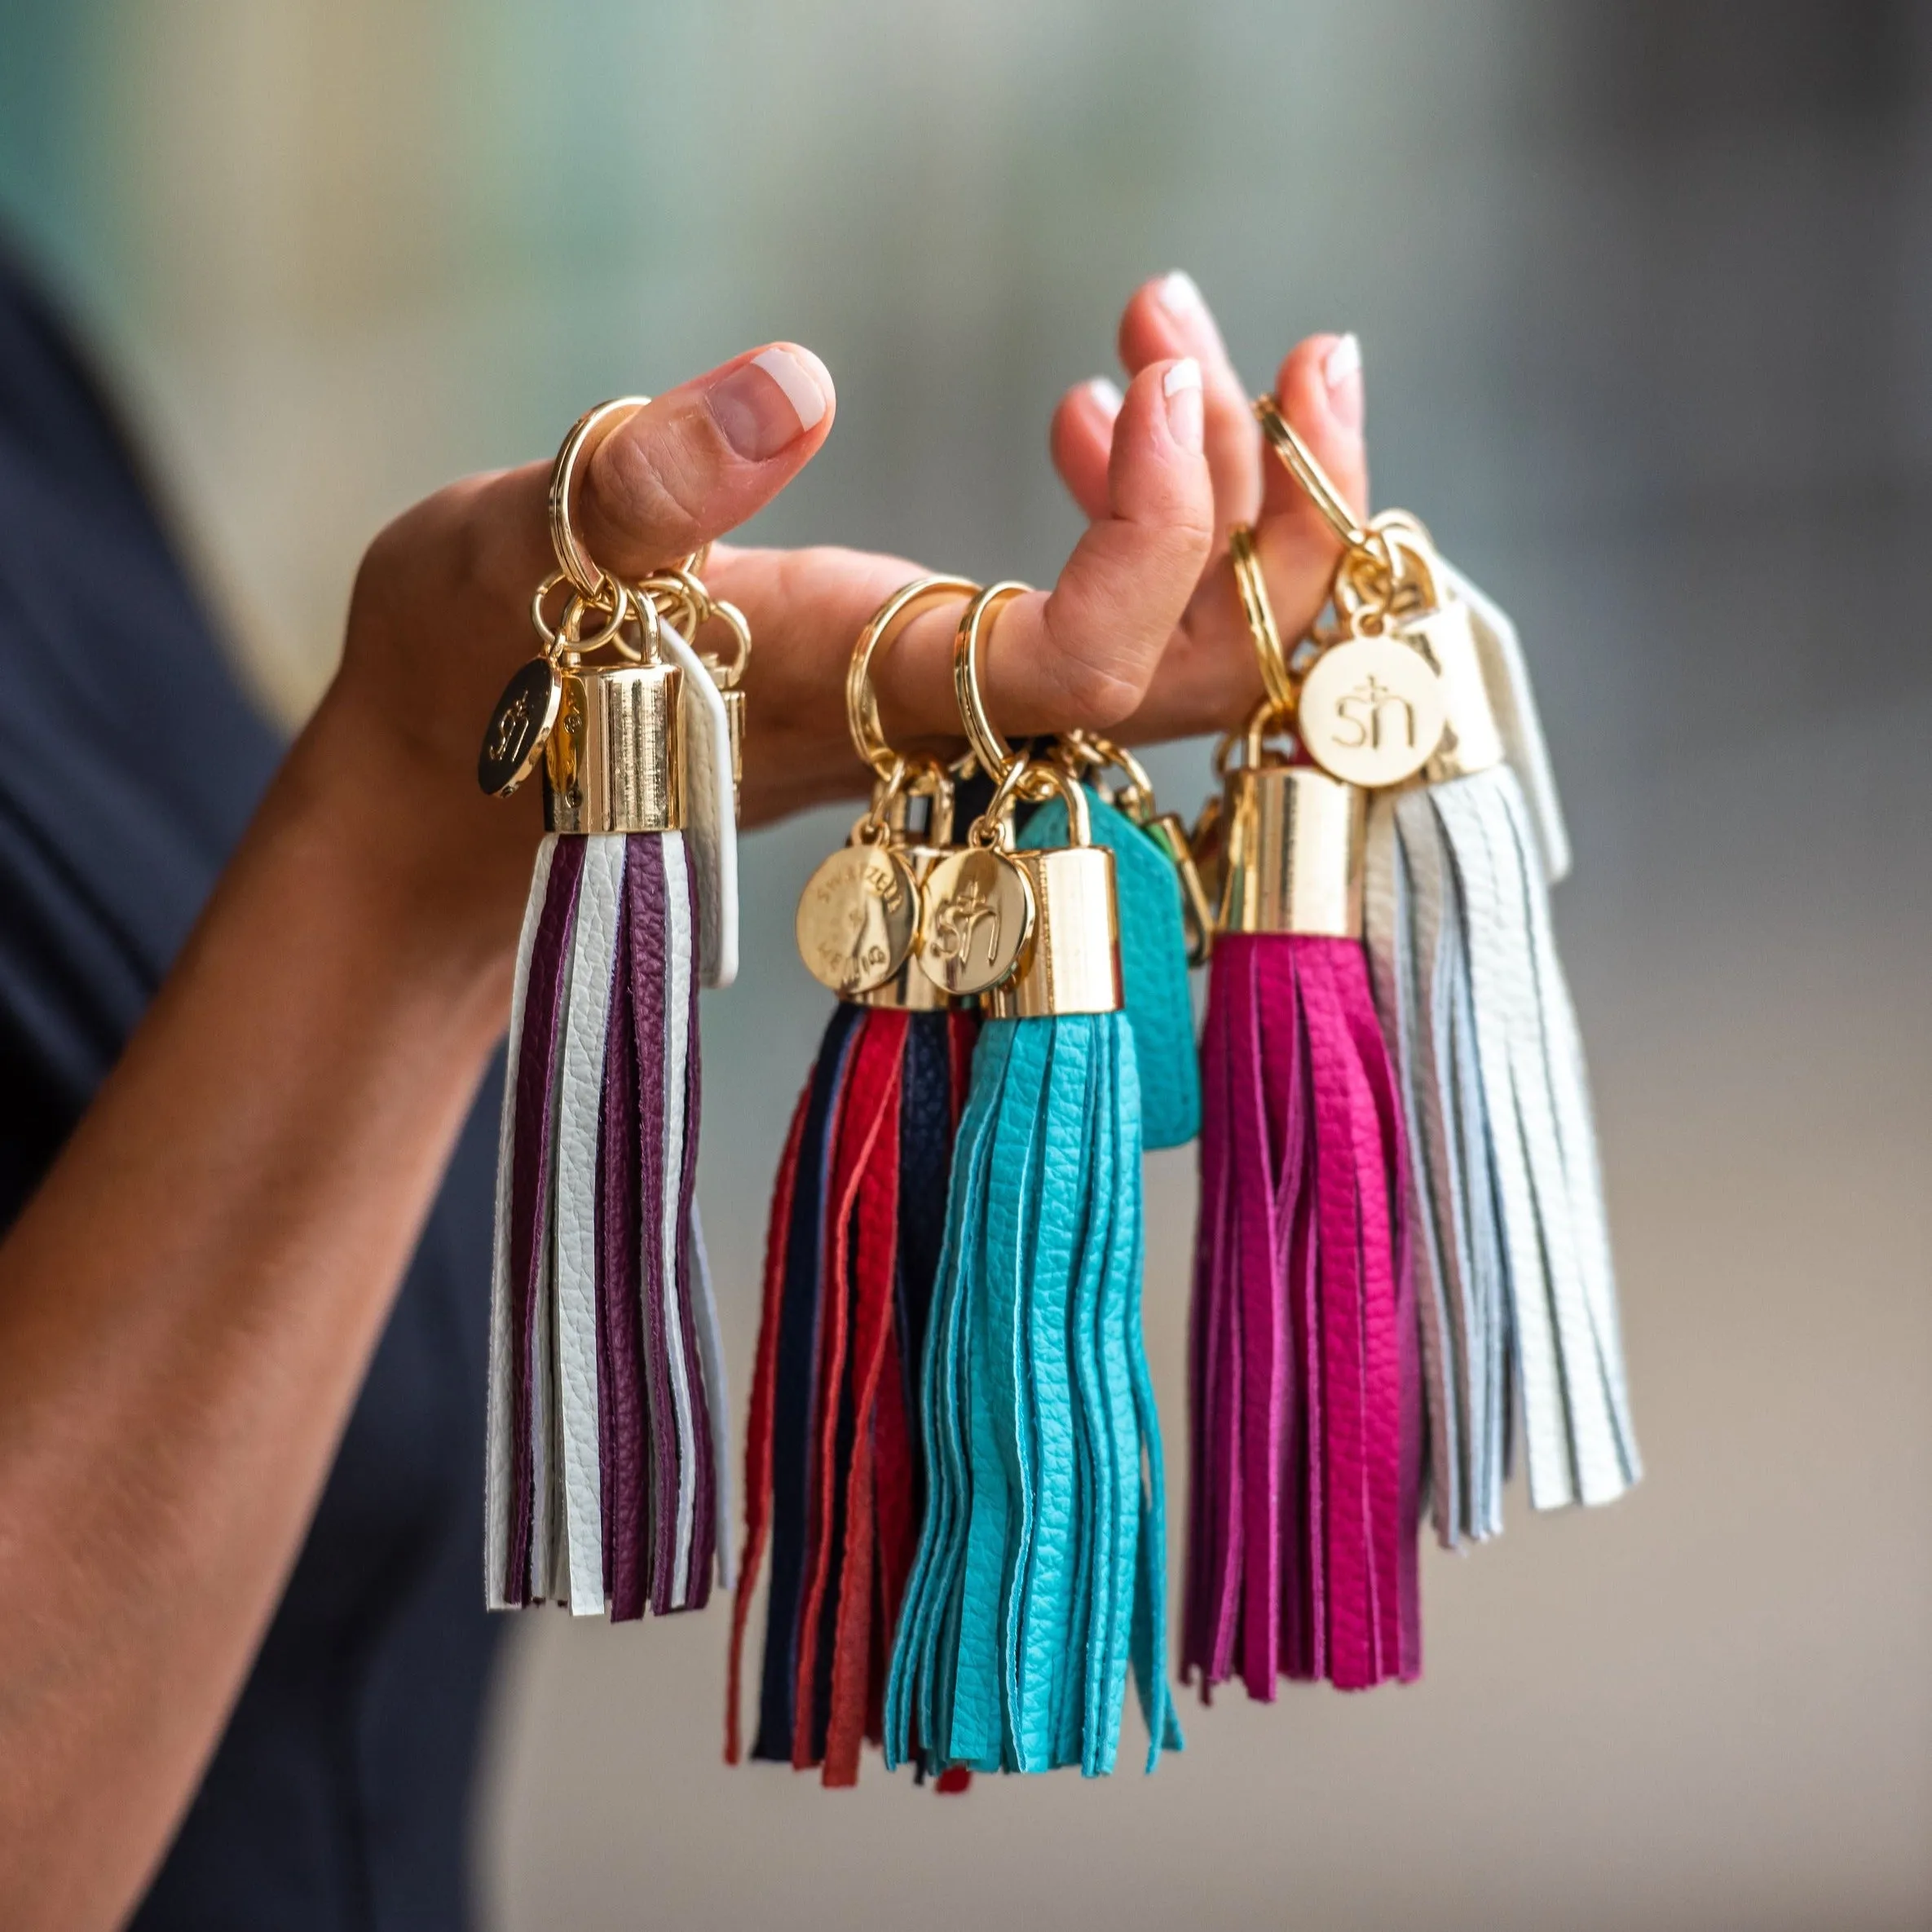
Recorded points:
(768,403)
(1106,392)
(1181,385)
(1342,371)
(1179,294)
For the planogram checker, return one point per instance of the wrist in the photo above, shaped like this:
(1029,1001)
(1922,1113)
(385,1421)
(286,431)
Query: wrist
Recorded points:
(413,851)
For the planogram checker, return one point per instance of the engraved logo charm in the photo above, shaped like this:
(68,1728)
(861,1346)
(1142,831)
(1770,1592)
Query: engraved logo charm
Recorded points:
(978,916)
(1371,711)
(856,919)
(524,719)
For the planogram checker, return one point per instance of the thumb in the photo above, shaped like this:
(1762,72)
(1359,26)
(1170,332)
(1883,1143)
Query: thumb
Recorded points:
(701,458)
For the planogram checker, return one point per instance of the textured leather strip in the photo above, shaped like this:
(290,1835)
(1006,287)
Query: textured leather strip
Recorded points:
(620,1282)
(579,1100)
(501,1423)
(530,1200)
(1512,698)
(860,1123)
(795,1359)
(711,812)
(874,1240)
(681,1053)
(649,972)
(758,1426)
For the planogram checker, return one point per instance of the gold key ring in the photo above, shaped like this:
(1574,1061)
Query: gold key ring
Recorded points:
(1301,465)
(862,705)
(572,558)
(579,568)
(1260,613)
(994,755)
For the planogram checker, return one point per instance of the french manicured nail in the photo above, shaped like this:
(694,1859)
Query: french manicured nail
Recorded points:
(1179,294)
(770,402)
(1342,371)
(1181,386)
(1106,392)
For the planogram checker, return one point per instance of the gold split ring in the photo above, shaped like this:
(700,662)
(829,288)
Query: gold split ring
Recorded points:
(861,704)
(992,751)
(1260,613)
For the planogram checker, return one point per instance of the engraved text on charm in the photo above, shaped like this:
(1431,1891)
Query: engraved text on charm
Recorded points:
(524,717)
(856,919)
(978,915)
(1370,711)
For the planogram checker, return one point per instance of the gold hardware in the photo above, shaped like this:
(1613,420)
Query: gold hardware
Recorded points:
(1370,710)
(525,715)
(994,755)
(976,916)
(1208,843)
(614,762)
(1293,839)
(1302,465)
(862,705)
(1085,752)
(573,560)
(857,919)
(1069,960)
(862,914)
(1259,612)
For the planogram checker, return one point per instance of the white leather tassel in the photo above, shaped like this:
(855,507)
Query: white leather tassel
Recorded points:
(1513,1250)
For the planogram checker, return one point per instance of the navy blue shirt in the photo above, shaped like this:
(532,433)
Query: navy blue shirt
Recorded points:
(130,762)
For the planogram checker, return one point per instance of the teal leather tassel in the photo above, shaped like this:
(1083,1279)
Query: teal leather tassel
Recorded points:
(1153,964)
(1040,1578)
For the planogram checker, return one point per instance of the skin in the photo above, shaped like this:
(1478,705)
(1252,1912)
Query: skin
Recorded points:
(188,1302)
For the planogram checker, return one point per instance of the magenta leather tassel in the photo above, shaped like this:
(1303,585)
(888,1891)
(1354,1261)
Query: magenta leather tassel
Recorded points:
(1306,1413)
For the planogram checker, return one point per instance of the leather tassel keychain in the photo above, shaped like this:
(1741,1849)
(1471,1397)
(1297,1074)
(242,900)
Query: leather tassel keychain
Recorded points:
(1423,695)
(835,1476)
(607,1401)
(1040,1579)
(1306,1406)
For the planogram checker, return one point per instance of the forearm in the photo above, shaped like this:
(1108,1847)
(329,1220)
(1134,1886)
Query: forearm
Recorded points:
(188,1304)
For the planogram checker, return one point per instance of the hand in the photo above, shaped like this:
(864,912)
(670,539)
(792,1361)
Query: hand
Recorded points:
(1205,677)
(1142,634)
(440,616)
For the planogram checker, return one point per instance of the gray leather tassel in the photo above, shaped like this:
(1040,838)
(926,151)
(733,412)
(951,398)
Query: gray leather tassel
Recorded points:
(1515,1288)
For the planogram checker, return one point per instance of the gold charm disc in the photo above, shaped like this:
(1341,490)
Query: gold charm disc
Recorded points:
(978,914)
(524,717)
(856,919)
(1370,711)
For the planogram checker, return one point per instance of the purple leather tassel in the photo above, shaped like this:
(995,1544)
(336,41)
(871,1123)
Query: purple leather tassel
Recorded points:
(603,1477)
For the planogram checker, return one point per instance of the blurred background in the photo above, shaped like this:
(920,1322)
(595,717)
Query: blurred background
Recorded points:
(1646,292)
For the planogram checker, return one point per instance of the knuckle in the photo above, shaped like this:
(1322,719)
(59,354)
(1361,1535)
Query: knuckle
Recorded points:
(652,493)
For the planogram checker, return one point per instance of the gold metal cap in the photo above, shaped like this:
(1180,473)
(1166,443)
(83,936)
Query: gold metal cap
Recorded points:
(1294,841)
(1071,962)
(615,762)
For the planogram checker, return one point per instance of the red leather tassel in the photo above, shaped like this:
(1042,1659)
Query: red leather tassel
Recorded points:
(833,1482)
(863,1253)
(757,1452)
